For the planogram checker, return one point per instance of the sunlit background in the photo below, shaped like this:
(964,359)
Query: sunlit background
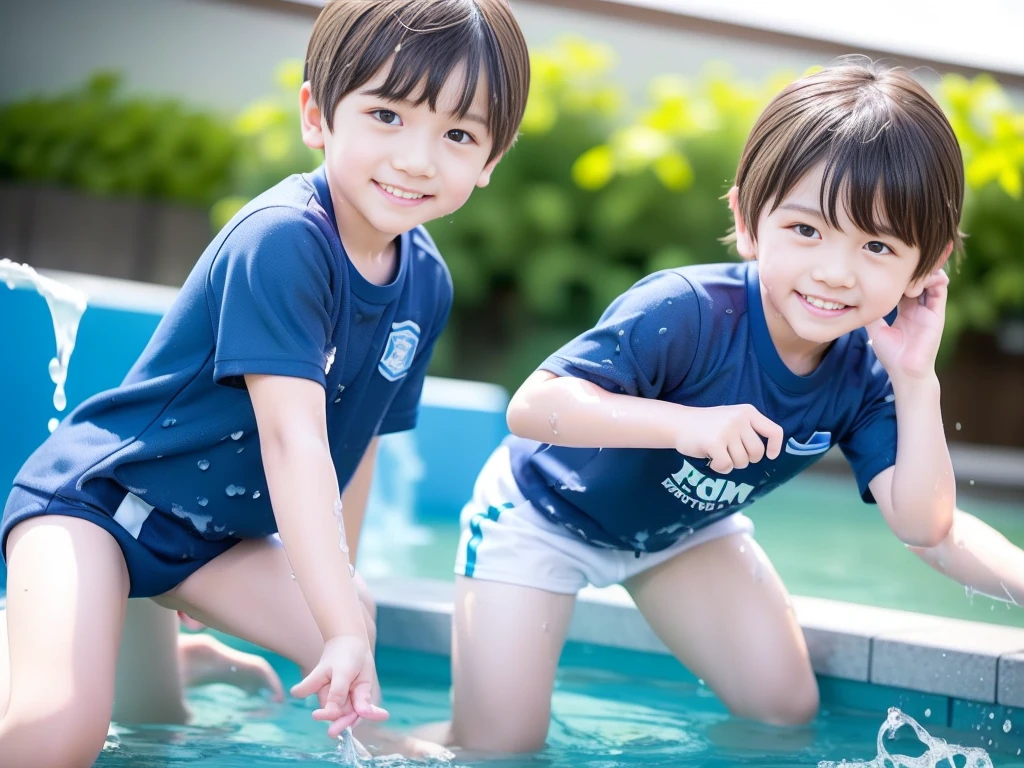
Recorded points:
(130,130)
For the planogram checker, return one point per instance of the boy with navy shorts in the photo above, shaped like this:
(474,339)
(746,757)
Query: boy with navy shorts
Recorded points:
(637,447)
(303,334)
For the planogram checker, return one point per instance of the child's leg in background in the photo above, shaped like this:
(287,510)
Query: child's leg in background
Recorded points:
(724,613)
(149,685)
(506,641)
(67,586)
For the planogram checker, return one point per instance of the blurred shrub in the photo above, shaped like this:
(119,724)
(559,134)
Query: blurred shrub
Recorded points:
(595,194)
(96,139)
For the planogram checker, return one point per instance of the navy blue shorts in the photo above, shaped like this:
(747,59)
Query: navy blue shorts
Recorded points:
(160,550)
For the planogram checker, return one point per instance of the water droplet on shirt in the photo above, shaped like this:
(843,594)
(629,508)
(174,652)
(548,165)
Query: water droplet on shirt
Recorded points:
(728,311)
(255,494)
(606,361)
(52,424)
(617,350)
(958,426)
(928,713)
(203,465)
(972,482)
(622,333)
(240,490)
(202,501)
(991,715)
(169,423)
(553,422)
(237,435)
(240,449)
(329,359)
(670,301)
(662,331)
(231,490)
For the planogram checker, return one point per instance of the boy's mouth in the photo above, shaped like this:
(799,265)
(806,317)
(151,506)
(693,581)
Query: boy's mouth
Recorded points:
(826,305)
(398,193)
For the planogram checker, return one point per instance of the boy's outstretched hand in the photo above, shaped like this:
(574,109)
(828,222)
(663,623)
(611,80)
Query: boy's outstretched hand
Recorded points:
(344,680)
(908,347)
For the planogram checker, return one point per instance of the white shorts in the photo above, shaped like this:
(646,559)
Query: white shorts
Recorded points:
(505,538)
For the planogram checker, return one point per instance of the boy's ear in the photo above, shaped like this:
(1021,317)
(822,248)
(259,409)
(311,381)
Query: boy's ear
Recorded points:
(916,288)
(744,244)
(312,119)
(485,175)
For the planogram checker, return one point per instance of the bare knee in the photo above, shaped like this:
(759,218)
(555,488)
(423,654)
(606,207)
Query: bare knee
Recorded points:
(783,702)
(67,738)
(511,736)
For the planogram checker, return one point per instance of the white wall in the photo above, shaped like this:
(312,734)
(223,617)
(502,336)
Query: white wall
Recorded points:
(222,54)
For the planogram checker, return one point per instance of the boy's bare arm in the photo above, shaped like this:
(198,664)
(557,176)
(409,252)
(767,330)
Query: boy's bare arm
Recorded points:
(355,496)
(918,495)
(979,557)
(576,413)
(291,417)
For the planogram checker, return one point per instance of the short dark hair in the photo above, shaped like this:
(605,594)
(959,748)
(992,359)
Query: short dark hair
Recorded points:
(428,39)
(888,149)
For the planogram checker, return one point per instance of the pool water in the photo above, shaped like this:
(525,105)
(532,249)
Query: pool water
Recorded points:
(823,540)
(654,714)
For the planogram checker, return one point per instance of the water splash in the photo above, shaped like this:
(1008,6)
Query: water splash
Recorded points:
(937,750)
(66,307)
(350,751)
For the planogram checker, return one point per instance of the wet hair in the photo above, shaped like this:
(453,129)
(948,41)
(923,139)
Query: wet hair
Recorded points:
(889,153)
(424,41)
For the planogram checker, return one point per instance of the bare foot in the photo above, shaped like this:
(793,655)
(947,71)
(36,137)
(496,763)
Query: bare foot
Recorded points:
(204,659)
(382,741)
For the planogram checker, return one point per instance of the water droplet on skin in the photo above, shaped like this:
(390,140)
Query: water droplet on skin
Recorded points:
(662,331)
(742,548)
(293,575)
(972,482)
(779,314)
(958,426)
(202,501)
(234,668)
(169,423)
(553,422)
(255,494)
(52,424)
(343,541)
(237,435)
(547,628)
(231,490)
(203,465)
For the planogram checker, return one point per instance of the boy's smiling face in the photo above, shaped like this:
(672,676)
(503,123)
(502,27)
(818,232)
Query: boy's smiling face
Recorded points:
(817,282)
(392,166)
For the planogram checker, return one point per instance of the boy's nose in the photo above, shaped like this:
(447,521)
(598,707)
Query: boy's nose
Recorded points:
(413,159)
(835,272)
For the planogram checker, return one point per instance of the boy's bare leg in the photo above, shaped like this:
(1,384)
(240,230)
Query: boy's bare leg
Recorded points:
(67,586)
(249,592)
(506,641)
(724,613)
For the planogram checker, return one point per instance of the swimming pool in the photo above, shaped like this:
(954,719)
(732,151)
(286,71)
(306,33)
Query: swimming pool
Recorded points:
(620,701)
(612,709)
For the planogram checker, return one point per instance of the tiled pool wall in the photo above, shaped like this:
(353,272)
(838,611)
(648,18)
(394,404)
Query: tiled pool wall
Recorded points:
(944,672)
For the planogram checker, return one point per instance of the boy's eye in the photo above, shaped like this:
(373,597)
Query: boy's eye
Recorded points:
(805,230)
(387,117)
(458,136)
(876,247)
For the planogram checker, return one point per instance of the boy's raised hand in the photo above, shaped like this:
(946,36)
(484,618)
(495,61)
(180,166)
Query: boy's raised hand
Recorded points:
(347,673)
(909,346)
(730,436)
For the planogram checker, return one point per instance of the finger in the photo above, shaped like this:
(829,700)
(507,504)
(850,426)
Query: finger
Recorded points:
(312,683)
(769,429)
(362,702)
(338,726)
(738,453)
(720,461)
(752,444)
(332,711)
(934,297)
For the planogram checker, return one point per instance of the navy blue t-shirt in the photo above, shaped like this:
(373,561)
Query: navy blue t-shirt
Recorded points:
(697,336)
(274,293)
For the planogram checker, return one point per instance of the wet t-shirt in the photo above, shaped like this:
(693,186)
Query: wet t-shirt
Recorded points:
(275,294)
(697,336)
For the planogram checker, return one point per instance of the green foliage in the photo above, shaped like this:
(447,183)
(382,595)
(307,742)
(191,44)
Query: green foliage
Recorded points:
(96,139)
(596,193)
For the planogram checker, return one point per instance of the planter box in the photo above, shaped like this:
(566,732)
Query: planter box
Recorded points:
(54,228)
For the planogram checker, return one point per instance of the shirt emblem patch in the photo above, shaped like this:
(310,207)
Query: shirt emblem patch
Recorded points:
(819,442)
(399,350)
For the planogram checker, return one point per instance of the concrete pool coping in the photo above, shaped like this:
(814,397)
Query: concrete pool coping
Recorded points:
(917,652)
